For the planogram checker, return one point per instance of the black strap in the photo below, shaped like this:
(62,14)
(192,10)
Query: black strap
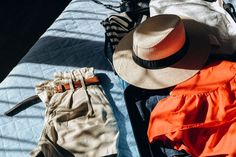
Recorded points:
(23,105)
(165,62)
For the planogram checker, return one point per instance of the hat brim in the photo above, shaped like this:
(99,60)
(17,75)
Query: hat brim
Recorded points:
(194,59)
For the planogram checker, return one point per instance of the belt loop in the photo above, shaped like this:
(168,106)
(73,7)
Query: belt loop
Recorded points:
(71,84)
(71,81)
(90,107)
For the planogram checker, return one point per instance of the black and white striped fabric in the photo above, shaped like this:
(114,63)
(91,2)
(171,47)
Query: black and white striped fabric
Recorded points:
(117,26)
(231,10)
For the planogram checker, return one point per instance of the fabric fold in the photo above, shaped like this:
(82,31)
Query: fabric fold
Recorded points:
(79,121)
(199,115)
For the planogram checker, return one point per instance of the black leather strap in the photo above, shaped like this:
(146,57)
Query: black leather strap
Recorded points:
(23,105)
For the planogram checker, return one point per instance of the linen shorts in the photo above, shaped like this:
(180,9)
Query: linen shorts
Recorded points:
(79,122)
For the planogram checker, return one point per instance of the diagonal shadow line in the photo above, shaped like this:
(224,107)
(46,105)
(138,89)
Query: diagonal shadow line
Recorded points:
(24,117)
(15,87)
(33,117)
(112,1)
(14,150)
(76,1)
(13,103)
(17,139)
(7,102)
(80,11)
(82,19)
(75,32)
(25,76)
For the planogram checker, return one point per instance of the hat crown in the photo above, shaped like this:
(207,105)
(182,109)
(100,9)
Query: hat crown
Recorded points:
(163,55)
(159,37)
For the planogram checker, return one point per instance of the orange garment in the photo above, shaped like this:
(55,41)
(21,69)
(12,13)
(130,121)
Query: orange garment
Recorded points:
(199,116)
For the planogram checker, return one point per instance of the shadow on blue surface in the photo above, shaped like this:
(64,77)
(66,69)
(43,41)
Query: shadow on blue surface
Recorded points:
(63,52)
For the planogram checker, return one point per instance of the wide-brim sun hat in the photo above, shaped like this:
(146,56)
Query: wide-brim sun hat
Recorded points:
(161,52)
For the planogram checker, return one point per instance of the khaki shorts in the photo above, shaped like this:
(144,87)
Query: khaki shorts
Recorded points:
(78,122)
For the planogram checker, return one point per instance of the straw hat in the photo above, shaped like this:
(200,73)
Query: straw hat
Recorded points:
(161,52)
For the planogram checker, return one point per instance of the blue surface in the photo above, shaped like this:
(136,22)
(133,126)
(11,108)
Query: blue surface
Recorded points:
(75,39)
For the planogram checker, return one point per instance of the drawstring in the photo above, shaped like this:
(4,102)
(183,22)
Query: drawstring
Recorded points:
(91,111)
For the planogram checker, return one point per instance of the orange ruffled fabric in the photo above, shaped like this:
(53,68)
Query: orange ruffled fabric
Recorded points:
(199,116)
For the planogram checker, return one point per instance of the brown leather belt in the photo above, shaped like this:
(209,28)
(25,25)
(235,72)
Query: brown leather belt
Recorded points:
(63,87)
(59,88)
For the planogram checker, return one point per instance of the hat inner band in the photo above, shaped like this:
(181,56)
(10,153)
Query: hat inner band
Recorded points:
(162,63)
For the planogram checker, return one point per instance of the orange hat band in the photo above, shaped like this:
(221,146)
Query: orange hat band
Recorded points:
(165,62)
